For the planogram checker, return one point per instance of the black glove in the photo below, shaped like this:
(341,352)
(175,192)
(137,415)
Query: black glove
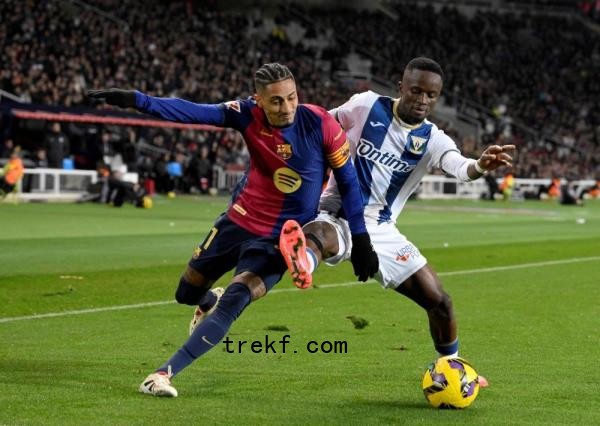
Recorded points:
(118,97)
(363,257)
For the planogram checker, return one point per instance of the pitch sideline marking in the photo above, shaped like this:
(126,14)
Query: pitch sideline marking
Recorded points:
(334,285)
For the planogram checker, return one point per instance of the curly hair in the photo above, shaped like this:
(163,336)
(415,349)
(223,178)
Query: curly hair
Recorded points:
(271,73)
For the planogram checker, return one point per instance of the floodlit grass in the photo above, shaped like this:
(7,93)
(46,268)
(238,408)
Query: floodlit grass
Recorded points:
(523,277)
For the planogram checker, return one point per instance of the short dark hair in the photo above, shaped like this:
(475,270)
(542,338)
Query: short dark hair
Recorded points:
(271,73)
(425,64)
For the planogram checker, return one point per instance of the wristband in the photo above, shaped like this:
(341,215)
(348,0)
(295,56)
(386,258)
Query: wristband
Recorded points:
(479,169)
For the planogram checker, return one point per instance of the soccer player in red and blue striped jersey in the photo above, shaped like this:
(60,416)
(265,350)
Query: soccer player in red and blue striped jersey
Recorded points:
(291,147)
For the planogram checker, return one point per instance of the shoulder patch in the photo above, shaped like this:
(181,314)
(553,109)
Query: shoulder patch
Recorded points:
(234,105)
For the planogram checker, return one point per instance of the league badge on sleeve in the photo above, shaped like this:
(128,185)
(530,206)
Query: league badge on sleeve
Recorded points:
(234,105)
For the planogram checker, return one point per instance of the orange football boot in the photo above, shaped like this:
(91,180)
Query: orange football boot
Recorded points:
(292,245)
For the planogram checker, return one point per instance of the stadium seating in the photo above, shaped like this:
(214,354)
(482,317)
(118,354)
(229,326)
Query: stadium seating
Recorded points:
(537,90)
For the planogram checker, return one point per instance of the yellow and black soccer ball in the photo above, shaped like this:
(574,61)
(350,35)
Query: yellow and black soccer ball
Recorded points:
(450,382)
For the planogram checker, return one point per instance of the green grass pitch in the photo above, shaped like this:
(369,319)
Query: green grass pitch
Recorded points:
(87,311)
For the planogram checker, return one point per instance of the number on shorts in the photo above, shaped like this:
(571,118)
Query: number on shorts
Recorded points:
(209,238)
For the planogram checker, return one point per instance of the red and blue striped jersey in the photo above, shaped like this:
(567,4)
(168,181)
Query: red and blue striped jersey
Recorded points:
(287,167)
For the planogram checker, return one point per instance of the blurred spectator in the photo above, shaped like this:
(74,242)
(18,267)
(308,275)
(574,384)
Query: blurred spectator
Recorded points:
(106,151)
(56,145)
(175,172)
(112,189)
(200,170)
(11,173)
(161,174)
(493,188)
(40,159)
(568,195)
(7,148)
(507,185)
(593,191)
(552,191)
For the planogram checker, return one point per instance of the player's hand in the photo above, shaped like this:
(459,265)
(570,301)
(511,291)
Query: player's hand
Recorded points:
(496,156)
(363,257)
(118,97)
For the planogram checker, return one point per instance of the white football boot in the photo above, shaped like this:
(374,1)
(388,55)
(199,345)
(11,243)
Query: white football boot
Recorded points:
(200,315)
(158,384)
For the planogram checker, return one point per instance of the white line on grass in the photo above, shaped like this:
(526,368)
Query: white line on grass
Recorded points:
(521,266)
(281,290)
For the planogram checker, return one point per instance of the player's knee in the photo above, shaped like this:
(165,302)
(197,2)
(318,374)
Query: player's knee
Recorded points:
(189,294)
(321,237)
(253,283)
(257,291)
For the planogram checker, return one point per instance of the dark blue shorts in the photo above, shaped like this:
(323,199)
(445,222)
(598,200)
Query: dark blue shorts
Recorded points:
(229,246)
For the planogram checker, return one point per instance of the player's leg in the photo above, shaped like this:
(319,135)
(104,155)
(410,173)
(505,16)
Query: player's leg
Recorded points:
(204,336)
(404,269)
(237,296)
(322,240)
(424,288)
(213,257)
(256,273)
(304,248)
(216,255)
(259,268)
(195,289)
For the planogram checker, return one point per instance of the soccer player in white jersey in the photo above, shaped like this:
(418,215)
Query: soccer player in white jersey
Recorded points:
(393,146)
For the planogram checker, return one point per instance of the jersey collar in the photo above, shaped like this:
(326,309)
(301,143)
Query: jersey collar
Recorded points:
(403,123)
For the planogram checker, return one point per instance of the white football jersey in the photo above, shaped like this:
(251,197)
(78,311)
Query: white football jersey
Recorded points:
(390,156)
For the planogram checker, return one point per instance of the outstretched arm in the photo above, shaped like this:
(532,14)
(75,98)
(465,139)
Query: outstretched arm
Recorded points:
(465,169)
(493,157)
(172,109)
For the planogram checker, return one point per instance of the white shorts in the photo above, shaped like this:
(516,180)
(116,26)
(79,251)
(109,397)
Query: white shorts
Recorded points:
(398,257)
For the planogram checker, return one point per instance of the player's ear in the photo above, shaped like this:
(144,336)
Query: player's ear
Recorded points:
(399,85)
(258,99)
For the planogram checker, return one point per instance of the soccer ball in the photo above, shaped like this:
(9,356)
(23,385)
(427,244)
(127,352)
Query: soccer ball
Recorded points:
(450,382)
(147,202)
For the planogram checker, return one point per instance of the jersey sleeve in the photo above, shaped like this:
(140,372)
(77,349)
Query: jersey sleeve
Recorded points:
(180,110)
(447,157)
(237,114)
(347,113)
(335,143)
(440,146)
(454,164)
(337,151)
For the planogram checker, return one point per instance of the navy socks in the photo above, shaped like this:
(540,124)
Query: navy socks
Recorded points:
(447,349)
(212,330)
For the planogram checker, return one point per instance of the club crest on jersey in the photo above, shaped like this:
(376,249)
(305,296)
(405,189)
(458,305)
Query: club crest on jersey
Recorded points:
(417,144)
(234,105)
(284,151)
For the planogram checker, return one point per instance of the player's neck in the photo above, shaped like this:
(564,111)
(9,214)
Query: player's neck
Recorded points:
(402,121)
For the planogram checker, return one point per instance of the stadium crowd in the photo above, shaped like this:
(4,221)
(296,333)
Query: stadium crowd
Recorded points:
(548,104)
